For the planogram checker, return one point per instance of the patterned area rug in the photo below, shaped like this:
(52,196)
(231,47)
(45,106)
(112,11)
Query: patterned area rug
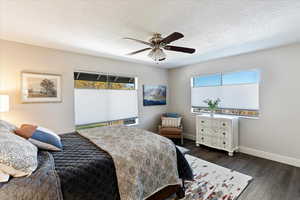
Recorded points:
(213,182)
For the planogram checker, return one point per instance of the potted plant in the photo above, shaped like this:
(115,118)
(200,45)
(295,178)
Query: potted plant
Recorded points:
(212,105)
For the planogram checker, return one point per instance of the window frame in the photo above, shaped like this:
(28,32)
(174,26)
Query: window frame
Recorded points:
(134,77)
(220,74)
(227,72)
(202,109)
(108,123)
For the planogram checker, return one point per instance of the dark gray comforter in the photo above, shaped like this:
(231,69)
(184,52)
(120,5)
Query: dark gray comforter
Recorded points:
(85,170)
(43,184)
(81,171)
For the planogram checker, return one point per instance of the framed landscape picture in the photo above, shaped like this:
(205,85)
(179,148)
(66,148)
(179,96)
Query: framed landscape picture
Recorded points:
(40,88)
(155,95)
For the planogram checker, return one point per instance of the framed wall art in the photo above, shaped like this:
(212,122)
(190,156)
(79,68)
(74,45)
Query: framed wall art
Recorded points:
(154,95)
(40,87)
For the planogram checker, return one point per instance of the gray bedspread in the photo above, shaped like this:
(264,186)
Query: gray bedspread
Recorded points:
(43,184)
(145,162)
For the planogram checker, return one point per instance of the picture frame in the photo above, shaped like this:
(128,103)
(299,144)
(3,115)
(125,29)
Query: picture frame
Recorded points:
(41,87)
(154,95)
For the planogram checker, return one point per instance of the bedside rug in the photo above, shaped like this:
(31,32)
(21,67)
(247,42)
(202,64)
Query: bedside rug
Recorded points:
(213,182)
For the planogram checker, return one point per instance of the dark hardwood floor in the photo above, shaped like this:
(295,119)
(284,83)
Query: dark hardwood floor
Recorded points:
(272,180)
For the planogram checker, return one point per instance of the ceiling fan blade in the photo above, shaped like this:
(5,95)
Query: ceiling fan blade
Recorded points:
(139,41)
(172,37)
(180,49)
(139,51)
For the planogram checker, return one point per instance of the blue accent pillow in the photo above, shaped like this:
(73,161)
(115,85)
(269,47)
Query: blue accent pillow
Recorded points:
(46,139)
(172,115)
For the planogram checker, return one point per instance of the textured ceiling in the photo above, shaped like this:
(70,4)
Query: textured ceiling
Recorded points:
(215,28)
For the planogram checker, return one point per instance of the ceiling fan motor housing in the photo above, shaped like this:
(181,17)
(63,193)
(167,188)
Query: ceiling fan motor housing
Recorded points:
(156,39)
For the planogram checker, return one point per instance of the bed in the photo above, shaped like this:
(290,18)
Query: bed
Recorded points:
(87,168)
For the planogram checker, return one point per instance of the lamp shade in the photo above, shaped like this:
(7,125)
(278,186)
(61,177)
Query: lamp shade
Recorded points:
(4,103)
(157,54)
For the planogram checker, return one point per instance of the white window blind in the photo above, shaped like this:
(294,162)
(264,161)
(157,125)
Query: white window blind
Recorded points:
(236,90)
(244,96)
(94,105)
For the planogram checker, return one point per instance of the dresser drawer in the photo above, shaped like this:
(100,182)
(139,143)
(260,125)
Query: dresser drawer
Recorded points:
(227,144)
(204,139)
(223,144)
(206,131)
(216,141)
(224,134)
(204,122)
(225,124)
(213,141)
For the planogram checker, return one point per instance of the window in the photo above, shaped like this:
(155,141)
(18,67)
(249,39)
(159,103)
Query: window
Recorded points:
(241,77)
(103,81)
(103,100)
(209,80)
(238,91)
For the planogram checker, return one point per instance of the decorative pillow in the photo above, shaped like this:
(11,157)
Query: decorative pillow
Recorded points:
(4,125)
(171,122)
(26,130)
(18,157)
(41,137)
(172,115)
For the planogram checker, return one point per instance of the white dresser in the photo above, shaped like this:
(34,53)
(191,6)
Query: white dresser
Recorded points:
(220,131)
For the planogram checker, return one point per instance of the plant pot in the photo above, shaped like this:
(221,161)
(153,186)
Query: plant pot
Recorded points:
(212,113)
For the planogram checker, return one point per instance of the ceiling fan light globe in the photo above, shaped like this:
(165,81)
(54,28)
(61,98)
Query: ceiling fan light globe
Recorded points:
(157,54)
(151,54)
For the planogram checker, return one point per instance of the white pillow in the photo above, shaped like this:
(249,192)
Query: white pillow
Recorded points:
(18,157)
(4,177)
(171,122)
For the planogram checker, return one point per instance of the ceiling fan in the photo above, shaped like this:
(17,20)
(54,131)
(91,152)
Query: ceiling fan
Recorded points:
(157,44)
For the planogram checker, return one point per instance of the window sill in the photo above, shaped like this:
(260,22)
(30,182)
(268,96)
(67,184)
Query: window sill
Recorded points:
(243,117)
(135,124)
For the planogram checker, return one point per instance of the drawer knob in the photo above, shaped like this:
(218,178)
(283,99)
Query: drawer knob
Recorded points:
(202,138)
(202,121)
(202,130)
(224,124)
(224,133)
(224,142)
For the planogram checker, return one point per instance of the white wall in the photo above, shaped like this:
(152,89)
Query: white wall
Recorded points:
(17,57)
(277,130)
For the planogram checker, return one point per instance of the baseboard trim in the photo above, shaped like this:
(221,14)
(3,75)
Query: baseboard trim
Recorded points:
(270,156)
(258,153)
